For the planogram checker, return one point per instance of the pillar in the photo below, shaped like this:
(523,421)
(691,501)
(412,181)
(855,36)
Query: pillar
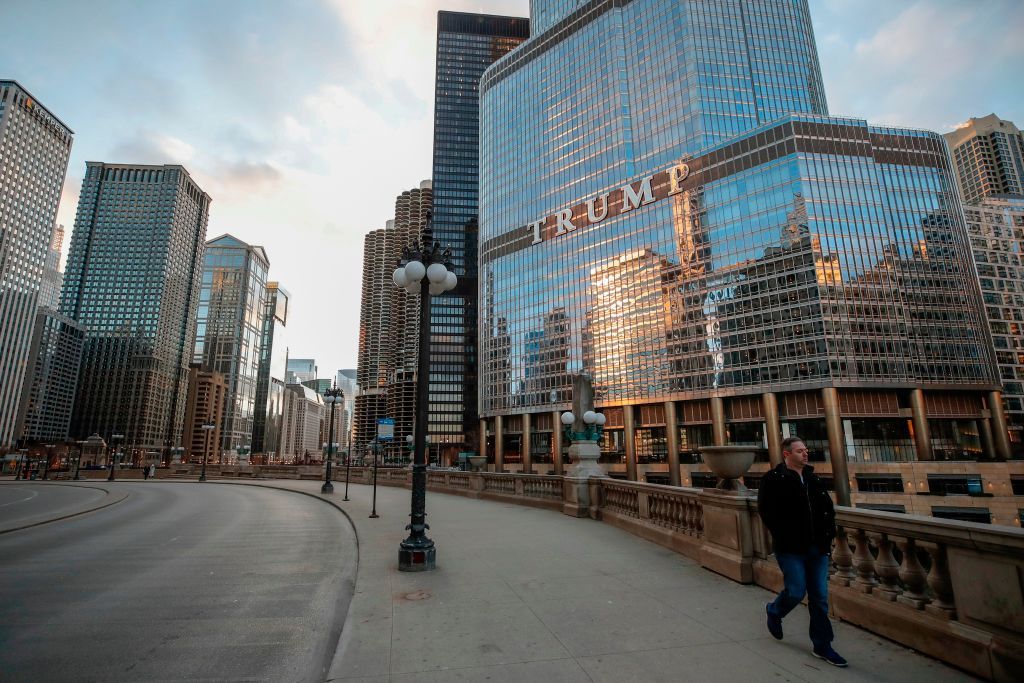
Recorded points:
(836,445)
(988,448)
(556,441)
(1000,434)
(524,445)
(483,437)
(629,437)
(718,421)
(672,441)
(922,435)
(772,427)
(499,445)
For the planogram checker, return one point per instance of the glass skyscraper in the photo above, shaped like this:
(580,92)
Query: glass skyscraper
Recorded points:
(229,330)
(466,45)
(132,281)
(273,371)
(666,206)
(34,150)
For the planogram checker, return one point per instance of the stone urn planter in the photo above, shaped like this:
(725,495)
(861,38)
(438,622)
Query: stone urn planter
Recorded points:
(729,463)
(477,462)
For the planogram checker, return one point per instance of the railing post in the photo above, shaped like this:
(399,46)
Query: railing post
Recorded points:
(843,559)
(912,574)
(864,562)
(886,568)
(728,547)
(939,581)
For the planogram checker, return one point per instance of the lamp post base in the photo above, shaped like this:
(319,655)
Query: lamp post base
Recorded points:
(328,487)
(416,558)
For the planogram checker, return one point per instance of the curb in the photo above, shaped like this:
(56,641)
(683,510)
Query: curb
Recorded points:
(332,651)
(79,513)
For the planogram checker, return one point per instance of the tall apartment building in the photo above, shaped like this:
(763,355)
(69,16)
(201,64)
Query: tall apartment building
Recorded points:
(49,389)
(34,150)
(346,381)
(206,398)
(674,212)
(229,331)
(466,45)
(389,325)
(988,154)
(132,281)
(269,411)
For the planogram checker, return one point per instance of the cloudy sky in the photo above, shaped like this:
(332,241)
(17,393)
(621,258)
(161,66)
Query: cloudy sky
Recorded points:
(304,118)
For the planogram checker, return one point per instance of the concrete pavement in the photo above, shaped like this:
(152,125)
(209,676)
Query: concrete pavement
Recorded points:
(521,594)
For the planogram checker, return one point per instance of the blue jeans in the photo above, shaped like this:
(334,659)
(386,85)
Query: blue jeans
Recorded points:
(807,573)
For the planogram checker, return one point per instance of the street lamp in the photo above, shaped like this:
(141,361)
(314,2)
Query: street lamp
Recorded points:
(22,473)
(78,459)
(207,427)
(333,396)
(423,270)
(113,439)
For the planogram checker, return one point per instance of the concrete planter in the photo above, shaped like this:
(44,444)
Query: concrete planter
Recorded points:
(729,463)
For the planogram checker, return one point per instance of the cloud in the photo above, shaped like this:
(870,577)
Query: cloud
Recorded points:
(151,147)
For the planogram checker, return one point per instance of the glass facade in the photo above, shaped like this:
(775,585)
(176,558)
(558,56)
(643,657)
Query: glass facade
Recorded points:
(34,150)
(266,430)
(466,45)
(132,280)
(665,205)
(229,330)
(52,378)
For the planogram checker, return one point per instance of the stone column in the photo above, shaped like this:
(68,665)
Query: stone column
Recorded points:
(922,435)
(556,441)
(672,441)
(499,445)
(836,445)
(1000,434)
(718,421)
(985,431)
(772,427)
(524,445)
(629,437)
(483,437)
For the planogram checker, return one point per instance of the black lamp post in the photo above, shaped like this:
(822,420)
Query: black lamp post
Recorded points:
(22,473)
(423,270)
(333,396)
(78,459)
(208,428)
(113,456)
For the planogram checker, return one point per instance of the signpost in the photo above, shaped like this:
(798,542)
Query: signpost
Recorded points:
(385,432)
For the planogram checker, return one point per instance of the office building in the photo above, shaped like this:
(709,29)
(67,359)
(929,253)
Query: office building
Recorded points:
(49,388)
(988,154)
(300,430)
(132,281)
(53,279)
(34,149)
(346,381)
(229,331)
(205,402)
(374,312)
(673,212)
(466,45)
(301,370)
(269,411)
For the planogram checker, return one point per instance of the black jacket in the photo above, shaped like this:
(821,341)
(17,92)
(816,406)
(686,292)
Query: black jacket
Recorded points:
(798,516)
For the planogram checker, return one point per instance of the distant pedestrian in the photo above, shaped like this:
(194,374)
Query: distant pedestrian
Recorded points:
(797,509)
(152,471)
(145,472)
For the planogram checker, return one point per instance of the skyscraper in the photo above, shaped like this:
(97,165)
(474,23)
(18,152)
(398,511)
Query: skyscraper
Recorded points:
(229,330)
(466,45)
(49,389)
(49,292)
(266,430)
(732,264)
(34,150)
(346,380)
(132,280)
(988,154)
(301,370)
(374,311)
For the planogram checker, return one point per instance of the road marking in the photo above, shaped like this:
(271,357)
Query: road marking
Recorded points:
(34,494)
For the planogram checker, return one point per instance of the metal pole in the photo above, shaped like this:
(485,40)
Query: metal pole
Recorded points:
(78,464)
(373,513)
(417,552)
(328,487)
(110,477)
(348,470)
(202,475)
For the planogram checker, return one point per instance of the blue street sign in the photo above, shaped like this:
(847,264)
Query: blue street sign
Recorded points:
(385,429)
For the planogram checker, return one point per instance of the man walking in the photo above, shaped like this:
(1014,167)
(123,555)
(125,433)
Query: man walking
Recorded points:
(797,509)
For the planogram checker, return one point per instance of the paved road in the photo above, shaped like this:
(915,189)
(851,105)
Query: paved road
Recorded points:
(27,502)
(178,581)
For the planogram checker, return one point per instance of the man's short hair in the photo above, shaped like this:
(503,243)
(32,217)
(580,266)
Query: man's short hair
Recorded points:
(787,443)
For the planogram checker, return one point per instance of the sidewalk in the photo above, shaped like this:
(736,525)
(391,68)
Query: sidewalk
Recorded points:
(521,594)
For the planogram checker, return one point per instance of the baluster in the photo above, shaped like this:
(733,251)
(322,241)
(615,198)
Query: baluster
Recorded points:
(886,568)
(700,517)
(942,603)
(912,574)
(864,563)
